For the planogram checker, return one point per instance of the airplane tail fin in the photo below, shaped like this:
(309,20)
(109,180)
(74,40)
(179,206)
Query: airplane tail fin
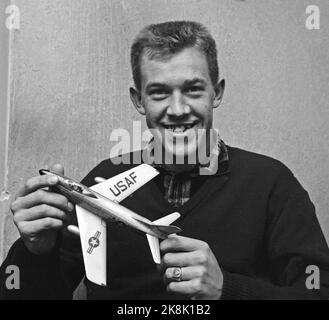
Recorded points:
(163,225)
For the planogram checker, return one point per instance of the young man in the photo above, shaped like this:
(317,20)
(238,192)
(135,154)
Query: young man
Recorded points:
(249,228)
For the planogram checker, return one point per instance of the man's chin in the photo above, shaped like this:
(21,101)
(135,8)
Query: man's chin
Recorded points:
(180,153)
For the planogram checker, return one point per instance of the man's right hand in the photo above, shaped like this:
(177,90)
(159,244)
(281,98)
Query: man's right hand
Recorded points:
(39,213)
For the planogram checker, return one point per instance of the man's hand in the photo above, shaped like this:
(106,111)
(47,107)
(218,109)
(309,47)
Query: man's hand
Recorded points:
(39,213)
(201,276)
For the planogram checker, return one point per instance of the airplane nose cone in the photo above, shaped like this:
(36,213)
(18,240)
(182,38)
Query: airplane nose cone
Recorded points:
(43,171)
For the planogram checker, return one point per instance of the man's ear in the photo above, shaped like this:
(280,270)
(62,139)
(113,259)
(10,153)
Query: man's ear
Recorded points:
(219,92)
(135,97)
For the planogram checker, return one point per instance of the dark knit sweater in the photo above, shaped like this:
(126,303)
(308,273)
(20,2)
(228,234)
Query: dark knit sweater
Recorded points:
(256,217)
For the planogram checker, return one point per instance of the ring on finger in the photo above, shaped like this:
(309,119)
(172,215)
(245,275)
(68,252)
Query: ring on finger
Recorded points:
(177,274)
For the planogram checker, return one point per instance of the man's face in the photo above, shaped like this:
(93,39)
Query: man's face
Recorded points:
(177,98)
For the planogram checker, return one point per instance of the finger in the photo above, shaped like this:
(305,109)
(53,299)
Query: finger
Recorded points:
(189,288)
(57,168)
(42,181)
(39,212)
(36,183)
(99,179)
(42,197)
(37,226)
(182,259)
(73,229)
(187,273)
(179,243)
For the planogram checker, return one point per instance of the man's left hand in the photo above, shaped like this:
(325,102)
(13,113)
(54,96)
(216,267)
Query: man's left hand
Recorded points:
(200,274)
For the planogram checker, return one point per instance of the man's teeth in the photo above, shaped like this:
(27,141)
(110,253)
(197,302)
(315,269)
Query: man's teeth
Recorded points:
(181,128)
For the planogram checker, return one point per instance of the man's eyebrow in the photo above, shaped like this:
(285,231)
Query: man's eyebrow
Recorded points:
(155,85)
(189,82)
(195,81)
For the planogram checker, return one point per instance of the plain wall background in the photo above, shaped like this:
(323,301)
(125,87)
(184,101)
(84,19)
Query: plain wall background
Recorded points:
(4,120)
(70,73)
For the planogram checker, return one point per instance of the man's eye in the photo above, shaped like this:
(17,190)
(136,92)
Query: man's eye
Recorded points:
(159,94)
(196,90)
(159,91)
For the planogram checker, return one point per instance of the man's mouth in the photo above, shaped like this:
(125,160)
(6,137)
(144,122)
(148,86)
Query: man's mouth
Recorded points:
(179,128)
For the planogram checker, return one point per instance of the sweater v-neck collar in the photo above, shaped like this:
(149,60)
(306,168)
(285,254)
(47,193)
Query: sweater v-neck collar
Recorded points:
(212,184)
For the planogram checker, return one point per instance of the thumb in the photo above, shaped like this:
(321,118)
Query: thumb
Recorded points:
(57,168)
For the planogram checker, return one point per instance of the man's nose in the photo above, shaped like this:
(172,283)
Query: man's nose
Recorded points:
(178,106)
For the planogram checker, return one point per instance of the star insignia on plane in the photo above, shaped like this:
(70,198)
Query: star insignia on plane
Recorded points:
(93,242)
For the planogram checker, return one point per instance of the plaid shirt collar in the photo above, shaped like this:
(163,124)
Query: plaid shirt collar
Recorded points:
(179,187)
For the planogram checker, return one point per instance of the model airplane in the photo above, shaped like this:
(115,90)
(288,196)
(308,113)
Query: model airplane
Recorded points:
(100,203)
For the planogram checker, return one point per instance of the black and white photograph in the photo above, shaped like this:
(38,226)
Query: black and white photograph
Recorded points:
(164,150)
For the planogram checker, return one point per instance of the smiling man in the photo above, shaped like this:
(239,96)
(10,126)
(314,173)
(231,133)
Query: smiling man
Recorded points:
(177,93)
(249,228)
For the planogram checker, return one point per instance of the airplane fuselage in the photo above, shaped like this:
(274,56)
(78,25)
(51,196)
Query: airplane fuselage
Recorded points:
(102,206)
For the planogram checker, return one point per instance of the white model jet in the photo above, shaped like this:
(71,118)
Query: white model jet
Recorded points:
(99,203)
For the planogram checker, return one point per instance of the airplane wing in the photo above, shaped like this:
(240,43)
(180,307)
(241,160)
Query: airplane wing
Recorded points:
(93,229)
(124,184)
